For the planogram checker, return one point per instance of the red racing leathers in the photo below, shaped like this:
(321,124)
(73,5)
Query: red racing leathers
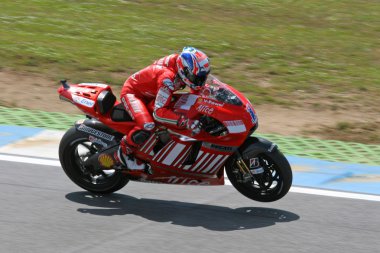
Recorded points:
(157,81)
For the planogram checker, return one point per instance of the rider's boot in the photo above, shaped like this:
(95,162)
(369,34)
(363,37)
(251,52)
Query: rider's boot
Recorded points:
(124,156)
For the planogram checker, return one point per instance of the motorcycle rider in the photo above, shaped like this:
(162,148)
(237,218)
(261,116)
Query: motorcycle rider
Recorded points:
(159,81)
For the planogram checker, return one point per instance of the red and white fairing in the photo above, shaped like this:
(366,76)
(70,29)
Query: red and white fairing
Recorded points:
(216,100)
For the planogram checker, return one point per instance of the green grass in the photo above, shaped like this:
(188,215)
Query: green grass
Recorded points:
(274,51)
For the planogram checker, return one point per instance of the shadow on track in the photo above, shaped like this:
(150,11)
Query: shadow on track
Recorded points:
(211,217)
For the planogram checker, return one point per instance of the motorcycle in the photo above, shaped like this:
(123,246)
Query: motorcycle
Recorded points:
(221,142)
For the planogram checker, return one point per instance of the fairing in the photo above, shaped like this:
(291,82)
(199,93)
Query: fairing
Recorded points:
(168,150)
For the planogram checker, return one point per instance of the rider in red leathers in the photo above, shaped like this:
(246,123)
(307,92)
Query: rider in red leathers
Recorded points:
(159,81)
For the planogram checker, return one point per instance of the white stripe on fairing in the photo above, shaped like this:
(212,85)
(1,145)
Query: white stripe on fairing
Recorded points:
(205,163)
(186,167)
(200,161)
(148,142)
(211,165)
(165,153)
(178,162)
(236,129)
(219,164)
(164,149)
(173,154)
(189,102)
(182,156)
(199,155)
(295,189)
(150,146)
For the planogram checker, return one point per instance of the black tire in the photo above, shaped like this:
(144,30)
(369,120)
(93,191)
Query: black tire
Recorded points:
(276,169)
(72,164)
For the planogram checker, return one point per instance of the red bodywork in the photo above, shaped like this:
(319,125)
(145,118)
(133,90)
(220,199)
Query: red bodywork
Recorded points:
(235,113)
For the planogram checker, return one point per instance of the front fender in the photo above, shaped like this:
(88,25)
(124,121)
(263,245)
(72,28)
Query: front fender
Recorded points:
(257,145)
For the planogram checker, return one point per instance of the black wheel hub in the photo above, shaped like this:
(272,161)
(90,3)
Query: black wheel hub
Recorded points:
(82,152)
(267,181)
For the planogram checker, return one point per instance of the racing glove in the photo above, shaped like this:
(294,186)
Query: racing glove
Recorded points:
(193,125)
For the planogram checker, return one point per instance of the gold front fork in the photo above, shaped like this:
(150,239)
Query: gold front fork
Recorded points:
(247,176)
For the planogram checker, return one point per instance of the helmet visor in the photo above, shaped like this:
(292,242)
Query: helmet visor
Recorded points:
(198,80)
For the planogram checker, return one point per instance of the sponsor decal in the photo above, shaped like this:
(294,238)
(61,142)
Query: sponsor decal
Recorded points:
(168,83)
(106,160)
(211,102)
(258,170)
(272,147)
(254,162)
(219,147)
(97,141)
(162,97)
(252,113)
(205,109)
(185,181)
(235,126)
(127,107)
(149,126)
(254,165)
(206,92)
(83,101)
(144,180)
(134,103)
(95,132)
(101,85)
(186,101)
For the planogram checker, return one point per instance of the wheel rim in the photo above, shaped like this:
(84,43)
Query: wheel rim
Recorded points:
(82,149)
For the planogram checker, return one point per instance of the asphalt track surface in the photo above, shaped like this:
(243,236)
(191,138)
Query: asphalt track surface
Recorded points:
(43,211)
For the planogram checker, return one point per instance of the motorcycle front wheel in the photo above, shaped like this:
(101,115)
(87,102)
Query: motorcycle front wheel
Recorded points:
(272,178)
(74,149)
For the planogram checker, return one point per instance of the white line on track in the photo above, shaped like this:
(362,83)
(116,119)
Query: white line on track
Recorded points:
(348,195)
(23,159)
(295,189)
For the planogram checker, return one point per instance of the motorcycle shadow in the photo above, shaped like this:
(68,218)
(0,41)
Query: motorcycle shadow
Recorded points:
(212,217)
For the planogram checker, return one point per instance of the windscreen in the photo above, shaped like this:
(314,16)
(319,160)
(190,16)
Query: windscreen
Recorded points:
(215,89)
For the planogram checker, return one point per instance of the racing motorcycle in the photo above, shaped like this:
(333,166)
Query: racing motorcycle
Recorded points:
(221,142)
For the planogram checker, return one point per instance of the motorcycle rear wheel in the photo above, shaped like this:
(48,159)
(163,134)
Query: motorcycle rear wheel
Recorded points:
(272,184)
(74,149)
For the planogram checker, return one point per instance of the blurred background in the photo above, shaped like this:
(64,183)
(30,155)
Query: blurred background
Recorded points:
(311,68)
